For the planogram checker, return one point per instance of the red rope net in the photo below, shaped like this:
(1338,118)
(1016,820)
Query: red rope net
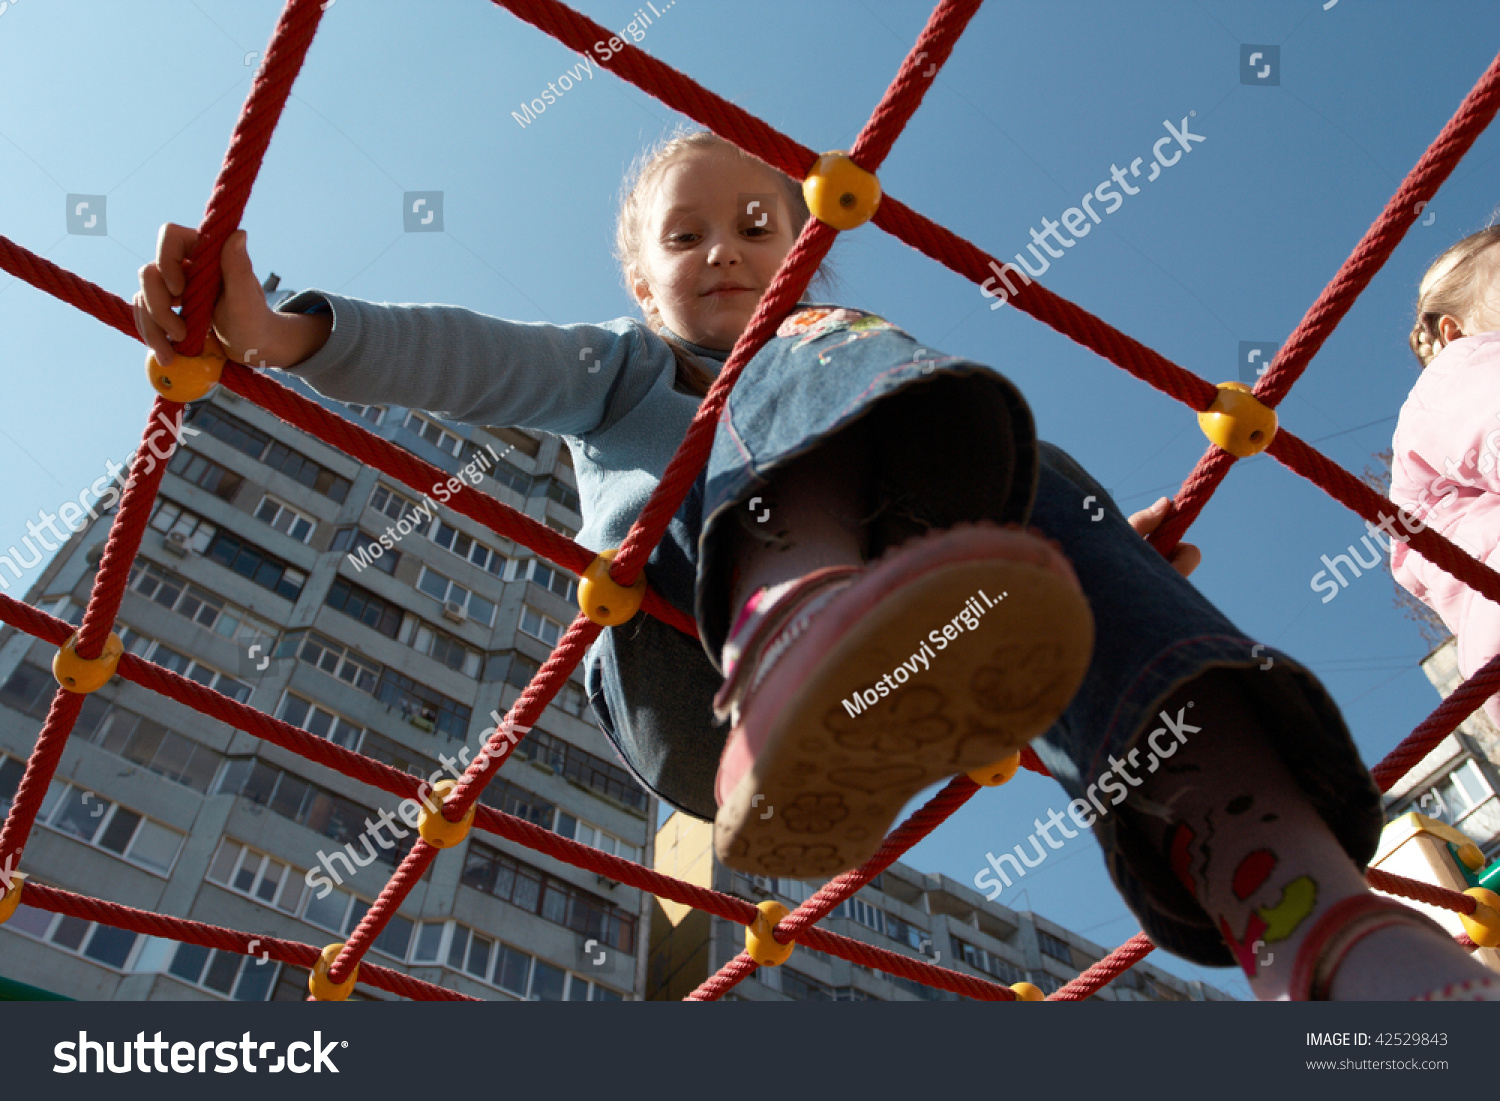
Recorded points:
(288,47)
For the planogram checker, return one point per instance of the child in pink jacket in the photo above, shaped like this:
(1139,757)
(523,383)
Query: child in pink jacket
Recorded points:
(1445,468)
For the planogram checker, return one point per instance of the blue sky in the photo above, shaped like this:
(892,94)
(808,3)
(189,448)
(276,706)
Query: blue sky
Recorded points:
(1232,243)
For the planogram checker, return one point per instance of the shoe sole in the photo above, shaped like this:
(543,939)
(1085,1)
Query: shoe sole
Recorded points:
(826,785)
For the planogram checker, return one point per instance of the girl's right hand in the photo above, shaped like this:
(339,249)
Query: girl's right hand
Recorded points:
(242,321)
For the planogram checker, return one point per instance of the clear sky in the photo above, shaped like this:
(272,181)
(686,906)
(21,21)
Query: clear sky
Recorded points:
(136,102)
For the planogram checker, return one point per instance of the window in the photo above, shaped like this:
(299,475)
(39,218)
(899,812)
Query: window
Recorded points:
(450,538)
(586,834)
(305,803)
(101,943)
(418,701)
(333,659)
(372,413)
(502,966)
(511,798)
(803,988)
(445,649)
(564,495)
(389,503)
(360,603)
(442,589)
(239,978)
(258,875)
(259,445)
(982,960)
(170,519)
(249,561)
(197,605)
(1047,984)
(489,870)
(193,468)
(507,474)
(539,626)
(107,825)
(285,519)
(325,724)
(561,528)
(149,744)
(1055,947)
(517,440)
(435,434)
(363,550)
(191,668)
(585,768)
(553,579)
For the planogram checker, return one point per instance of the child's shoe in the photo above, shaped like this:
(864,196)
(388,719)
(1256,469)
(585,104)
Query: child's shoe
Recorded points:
(853,688)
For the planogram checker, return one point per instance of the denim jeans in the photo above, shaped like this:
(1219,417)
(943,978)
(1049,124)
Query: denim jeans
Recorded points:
(949,440)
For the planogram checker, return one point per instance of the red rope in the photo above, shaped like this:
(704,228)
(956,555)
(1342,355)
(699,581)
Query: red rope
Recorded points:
(212,936)
(1429,893)
(1121,960)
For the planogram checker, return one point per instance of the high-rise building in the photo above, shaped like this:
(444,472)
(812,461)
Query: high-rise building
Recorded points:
(280,572)
(930,917)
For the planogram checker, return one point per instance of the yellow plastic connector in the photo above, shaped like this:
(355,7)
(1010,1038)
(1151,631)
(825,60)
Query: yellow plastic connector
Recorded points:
(840,192)
(320,986)
(1483,925)
(11,898)
(1026,992)
(1238,422)
(436,830)
(187,378)
(760,945)
(80,675)
(605,600)
(1001,772)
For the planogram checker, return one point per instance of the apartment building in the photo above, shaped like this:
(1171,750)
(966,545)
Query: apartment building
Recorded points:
(903,910)
(1456,782)
(284,574)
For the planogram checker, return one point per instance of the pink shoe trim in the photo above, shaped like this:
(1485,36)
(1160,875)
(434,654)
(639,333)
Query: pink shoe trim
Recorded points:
(1470,990)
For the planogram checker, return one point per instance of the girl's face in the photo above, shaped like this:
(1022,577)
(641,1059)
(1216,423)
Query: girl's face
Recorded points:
(715,231)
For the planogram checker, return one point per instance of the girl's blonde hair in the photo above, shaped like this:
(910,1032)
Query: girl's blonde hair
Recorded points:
(1451,287)
(692,375)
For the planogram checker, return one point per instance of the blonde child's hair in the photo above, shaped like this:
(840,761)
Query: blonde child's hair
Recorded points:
(635,194)
(1452,287)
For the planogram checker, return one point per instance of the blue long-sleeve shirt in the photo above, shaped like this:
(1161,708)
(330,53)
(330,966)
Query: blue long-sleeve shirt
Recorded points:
(606,389)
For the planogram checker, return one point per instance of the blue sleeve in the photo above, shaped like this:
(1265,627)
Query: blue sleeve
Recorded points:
(571,380)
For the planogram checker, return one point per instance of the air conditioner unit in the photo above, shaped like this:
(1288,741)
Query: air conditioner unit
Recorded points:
(454,611)
(177,543)
(764,884)
(93,554)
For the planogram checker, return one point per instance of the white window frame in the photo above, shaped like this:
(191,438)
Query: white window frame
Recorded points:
(533,565)
(246,624)
(492,556)
(406,504)
(425,424)
(56,920)
(363,412)
(247,856)
(57,797)
(169,517)
(543,622)
(285,510)
(338,723)
(450,587)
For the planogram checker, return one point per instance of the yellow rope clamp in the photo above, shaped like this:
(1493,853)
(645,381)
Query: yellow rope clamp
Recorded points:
(1483,925)
(82,675)
(1238,422)
(760,945)
(320,986)
(187,378)
(1026,992)
(11,898)
(436,830)
(1001,772)
(605,600)
(840,192)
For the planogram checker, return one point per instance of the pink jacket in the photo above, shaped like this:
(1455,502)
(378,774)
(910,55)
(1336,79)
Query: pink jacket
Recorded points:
(1445,470)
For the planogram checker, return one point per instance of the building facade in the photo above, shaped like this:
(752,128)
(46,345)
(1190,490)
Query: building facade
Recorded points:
(1456,782)
(930,917)
(286,575)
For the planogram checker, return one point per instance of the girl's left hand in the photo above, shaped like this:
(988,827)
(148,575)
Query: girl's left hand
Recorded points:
(1186,557)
